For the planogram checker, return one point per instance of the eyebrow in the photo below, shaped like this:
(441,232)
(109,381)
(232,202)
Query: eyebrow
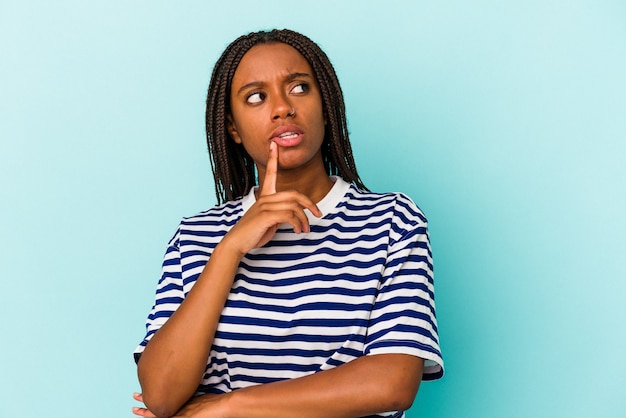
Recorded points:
(290,77)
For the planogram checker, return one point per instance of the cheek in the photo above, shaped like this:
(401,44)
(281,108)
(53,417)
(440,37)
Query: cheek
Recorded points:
(248,136)
(239,131)
(248,122)
(322,123)
(253,142)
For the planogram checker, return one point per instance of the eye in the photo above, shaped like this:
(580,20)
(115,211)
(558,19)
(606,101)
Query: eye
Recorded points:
(300,88)
(255,97)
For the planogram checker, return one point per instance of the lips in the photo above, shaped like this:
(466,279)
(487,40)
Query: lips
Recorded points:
(287,135)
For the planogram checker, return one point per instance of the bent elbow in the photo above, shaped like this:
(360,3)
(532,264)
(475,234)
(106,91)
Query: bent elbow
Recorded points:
(159,405)
(401,393)
(404,401)
(163,395)
(403,384)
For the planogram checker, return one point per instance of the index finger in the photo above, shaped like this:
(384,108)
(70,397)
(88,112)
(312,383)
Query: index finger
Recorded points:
(271,171)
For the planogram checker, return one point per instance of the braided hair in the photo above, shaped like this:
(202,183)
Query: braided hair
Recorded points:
(233,168)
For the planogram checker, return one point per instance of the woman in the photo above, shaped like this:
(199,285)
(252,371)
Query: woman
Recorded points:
(306,295)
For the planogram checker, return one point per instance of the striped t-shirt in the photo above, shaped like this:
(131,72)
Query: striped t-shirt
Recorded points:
(359,283)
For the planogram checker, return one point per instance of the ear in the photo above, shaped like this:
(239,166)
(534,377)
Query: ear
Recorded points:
(232,129)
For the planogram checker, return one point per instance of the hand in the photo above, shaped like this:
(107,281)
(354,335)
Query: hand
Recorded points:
(257,227)
(141,411)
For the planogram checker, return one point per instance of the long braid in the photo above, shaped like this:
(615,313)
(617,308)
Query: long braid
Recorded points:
(233,169)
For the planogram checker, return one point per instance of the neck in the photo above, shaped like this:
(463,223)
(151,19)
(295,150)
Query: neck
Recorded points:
(311,181)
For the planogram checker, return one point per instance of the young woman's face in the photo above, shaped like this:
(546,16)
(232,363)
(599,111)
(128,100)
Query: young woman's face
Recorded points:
(275,97)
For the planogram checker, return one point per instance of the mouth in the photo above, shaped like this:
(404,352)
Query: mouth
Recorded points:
(287,135)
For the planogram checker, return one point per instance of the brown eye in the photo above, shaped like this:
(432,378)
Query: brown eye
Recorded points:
(300,88)
(254,98)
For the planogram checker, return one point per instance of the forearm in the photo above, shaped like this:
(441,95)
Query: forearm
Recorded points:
(367,385)
(174,360)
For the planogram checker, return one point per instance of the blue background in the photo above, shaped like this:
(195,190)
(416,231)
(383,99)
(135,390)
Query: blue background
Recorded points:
(504,121)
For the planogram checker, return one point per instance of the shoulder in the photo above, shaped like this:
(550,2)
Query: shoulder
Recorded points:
(217,214)
(395,204)
(213,222)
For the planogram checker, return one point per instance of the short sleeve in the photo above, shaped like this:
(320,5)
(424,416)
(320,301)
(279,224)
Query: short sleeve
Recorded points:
(403,319)
(169,293)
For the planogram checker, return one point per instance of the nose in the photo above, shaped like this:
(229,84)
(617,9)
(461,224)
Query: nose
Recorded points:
(283,108)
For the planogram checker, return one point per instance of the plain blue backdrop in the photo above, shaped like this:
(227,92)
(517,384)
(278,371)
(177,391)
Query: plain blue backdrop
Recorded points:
(504,121)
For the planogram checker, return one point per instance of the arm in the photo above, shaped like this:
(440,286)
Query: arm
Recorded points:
(365,386)
(174,360)
(384,382)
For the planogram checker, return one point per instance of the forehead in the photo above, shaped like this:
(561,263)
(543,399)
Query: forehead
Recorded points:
(264,62)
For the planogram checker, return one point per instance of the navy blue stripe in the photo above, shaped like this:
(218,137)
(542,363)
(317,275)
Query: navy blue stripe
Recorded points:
(198,253)
(403,314)
(177,300)
(193,265)
(312,306)
(359,219)
(315,264)
(357,277)
(272,352)
(409,329)
(401,300)
(255,380)
(170,286)
(333,252)
(314,291)
(280,366)
(164,313)
(412,258)
(309,338)
(332,237)
(171,261)
(301,322)
(410,285)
